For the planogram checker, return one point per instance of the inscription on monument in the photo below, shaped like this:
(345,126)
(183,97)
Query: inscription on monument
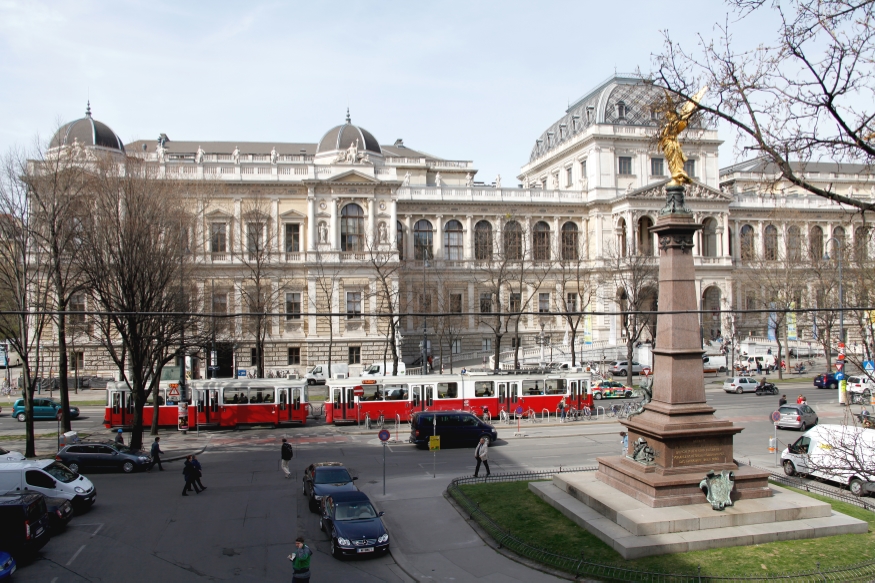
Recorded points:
(698,452)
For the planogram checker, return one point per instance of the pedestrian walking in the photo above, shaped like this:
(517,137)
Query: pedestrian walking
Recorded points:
(287,454)
(198,473)
(782,401)
(190,473)
(624,440)
(119,438)
(481,454)
(800,399)
(301,560)
(156,455)
(562,410)
(759,368)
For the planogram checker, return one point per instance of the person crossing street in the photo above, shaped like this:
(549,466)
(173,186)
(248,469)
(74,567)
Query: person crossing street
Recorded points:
(481,453)
(156,455)
(286,453)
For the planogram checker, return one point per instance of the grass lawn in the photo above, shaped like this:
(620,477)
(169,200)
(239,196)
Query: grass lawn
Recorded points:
(531,519)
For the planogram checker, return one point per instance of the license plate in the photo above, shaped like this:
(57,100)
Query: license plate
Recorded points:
(39,532)
(367,550)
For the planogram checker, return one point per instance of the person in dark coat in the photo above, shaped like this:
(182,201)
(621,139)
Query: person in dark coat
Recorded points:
(198,472)
(190,473)
(156,455)
(119,438)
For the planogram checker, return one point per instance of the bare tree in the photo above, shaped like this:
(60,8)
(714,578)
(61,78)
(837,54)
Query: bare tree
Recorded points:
(450,325)
(24,281)
(575,283)
(386,268)
(822,274)
(326,271)
(136,259)
(804,96)
(635,277)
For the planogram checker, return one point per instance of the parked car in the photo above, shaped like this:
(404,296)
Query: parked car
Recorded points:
(11,456)
(354,525)
(453,427)
(610,390)
(795,416)
(826,381)
(621,367)
(25,521)
(103,455)
(60,512)
(839,453)
(7,565)
(48,477)
(740,385)
(42,409)
(325,478)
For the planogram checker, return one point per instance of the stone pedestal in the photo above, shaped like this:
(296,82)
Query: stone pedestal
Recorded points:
(687,439)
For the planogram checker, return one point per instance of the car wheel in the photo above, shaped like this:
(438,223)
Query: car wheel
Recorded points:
(622,373)
(739,391)
(628,394)
(21,417)
(335,552)
(304,488)
(804,427)
(789,468)
(74,467)
(313,505)
(321,525)
(856,487)
(833,386)
(128,467)
(596,396)
(311,382)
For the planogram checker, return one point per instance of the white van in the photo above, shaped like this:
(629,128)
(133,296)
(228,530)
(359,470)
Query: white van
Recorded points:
(750,362)
(376,369)
(841,453)
(47,477)
(714,363)
(319,373)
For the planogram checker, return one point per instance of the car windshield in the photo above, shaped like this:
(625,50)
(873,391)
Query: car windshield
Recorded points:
(332,476)
(374,369)
(354,511)
(60,473)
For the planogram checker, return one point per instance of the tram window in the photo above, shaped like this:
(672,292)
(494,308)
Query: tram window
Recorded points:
(396,392)
(260,395)
(555,386)
(533,387)
(235,395)
(448,391)
(483,389)
(372,393)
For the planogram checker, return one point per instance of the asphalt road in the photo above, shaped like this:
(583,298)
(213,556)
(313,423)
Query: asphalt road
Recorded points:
(243,526)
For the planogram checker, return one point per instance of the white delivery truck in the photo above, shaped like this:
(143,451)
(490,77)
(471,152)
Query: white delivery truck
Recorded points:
(48,477)
(319,373)
(379,370)
(840,453)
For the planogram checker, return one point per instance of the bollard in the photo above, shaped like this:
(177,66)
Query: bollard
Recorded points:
(772,445)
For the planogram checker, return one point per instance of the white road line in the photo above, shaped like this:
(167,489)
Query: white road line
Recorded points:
(76,554)
(93,534)
(544,457)
(55,580)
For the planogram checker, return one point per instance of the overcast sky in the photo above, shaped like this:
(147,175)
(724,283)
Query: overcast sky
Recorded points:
(471,80)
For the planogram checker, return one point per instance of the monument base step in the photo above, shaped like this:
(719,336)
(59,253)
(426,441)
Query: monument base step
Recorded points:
(695,527)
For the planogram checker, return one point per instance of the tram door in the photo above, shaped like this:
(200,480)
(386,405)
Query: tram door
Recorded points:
(429,395)
(343,399)
(298,410)
(416,399)
(576,398)
(207,401)
(284,407)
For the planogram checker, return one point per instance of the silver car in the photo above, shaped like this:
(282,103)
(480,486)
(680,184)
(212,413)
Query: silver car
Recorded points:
(740,385)
(795,416)
(621,367)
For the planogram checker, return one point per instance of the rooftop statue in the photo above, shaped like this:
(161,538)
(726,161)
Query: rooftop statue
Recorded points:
(676,122)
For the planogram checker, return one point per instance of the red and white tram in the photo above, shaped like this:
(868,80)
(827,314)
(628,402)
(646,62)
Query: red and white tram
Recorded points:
(218,403)
(350,400)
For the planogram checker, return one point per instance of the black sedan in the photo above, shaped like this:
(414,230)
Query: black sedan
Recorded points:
(103,455)
(325,478)
(354,526)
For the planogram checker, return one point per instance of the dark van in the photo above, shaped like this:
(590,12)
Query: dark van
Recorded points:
(25,521)
(453,427)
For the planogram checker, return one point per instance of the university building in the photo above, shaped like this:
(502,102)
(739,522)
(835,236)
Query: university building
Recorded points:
(346,224)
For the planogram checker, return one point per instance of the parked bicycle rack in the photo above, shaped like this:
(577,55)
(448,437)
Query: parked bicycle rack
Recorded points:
(545,412)
(397,428)
(597,411)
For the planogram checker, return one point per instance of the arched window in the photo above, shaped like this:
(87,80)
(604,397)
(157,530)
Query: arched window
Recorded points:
(747,241)
(838,245)
(352,228)
(770,243)
(815,243)
(513,241)
(541,243)
(423,237)
(399,239)
(483,241)
(645,237)
(621,110)
(453,240)
(621,237)
(570,249)
(709,238)
(861,244)
(794,244)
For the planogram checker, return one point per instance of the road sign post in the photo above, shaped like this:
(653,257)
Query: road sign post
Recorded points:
(776,416)
(384,437)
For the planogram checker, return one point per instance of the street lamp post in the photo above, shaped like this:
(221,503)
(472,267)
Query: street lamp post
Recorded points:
(838,253)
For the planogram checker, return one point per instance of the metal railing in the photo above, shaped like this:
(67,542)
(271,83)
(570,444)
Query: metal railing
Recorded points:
(581,566)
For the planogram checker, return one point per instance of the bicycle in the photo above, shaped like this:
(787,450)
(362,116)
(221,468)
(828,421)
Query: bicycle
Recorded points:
(587,413)
(613,411)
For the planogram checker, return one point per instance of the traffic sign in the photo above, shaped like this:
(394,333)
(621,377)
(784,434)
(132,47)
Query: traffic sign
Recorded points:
(174,391)
(519,410)
(869,365)
(434,442)
(384,435)
(776,416)
(358,392)
(241,373)
(839,365)
(840,376)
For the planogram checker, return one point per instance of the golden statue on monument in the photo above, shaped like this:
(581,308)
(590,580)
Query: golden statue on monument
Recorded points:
(675,123)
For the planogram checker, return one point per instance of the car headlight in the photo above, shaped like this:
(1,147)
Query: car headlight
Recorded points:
(7,564)
(317,496)
(79,490)
(343,541)
(143,458)
(383,538)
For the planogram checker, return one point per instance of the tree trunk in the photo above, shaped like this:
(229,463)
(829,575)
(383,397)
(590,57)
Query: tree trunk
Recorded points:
(62,369)
(630,346)
(28,386)
(778,363)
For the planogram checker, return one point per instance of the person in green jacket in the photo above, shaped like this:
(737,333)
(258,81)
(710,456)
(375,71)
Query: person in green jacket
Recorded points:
(301,560)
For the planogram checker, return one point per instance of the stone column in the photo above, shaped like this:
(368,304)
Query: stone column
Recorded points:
(472,307)
(393,227)
(408,240)
(311,223)
(438,244)
(334,227)
(372,238)
(469,238)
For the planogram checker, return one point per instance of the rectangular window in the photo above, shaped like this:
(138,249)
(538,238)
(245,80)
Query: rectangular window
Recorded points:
(77,304)
(353,305)
(569,176)
(355,355)
(455,303)
(543,302)
(255,237)
(218,238)
(571,302)
(293,306)
(625,165)
(656,167)
(457,346)
(253,356)
(690,168)
(294,355)
(486,303)
(486,344)
(220,303)
(516,302)
(750,301)
(77,361)
(293,237)
(583,169)
(514,342)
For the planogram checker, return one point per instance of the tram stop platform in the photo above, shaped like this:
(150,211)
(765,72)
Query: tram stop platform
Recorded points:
(636,530)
